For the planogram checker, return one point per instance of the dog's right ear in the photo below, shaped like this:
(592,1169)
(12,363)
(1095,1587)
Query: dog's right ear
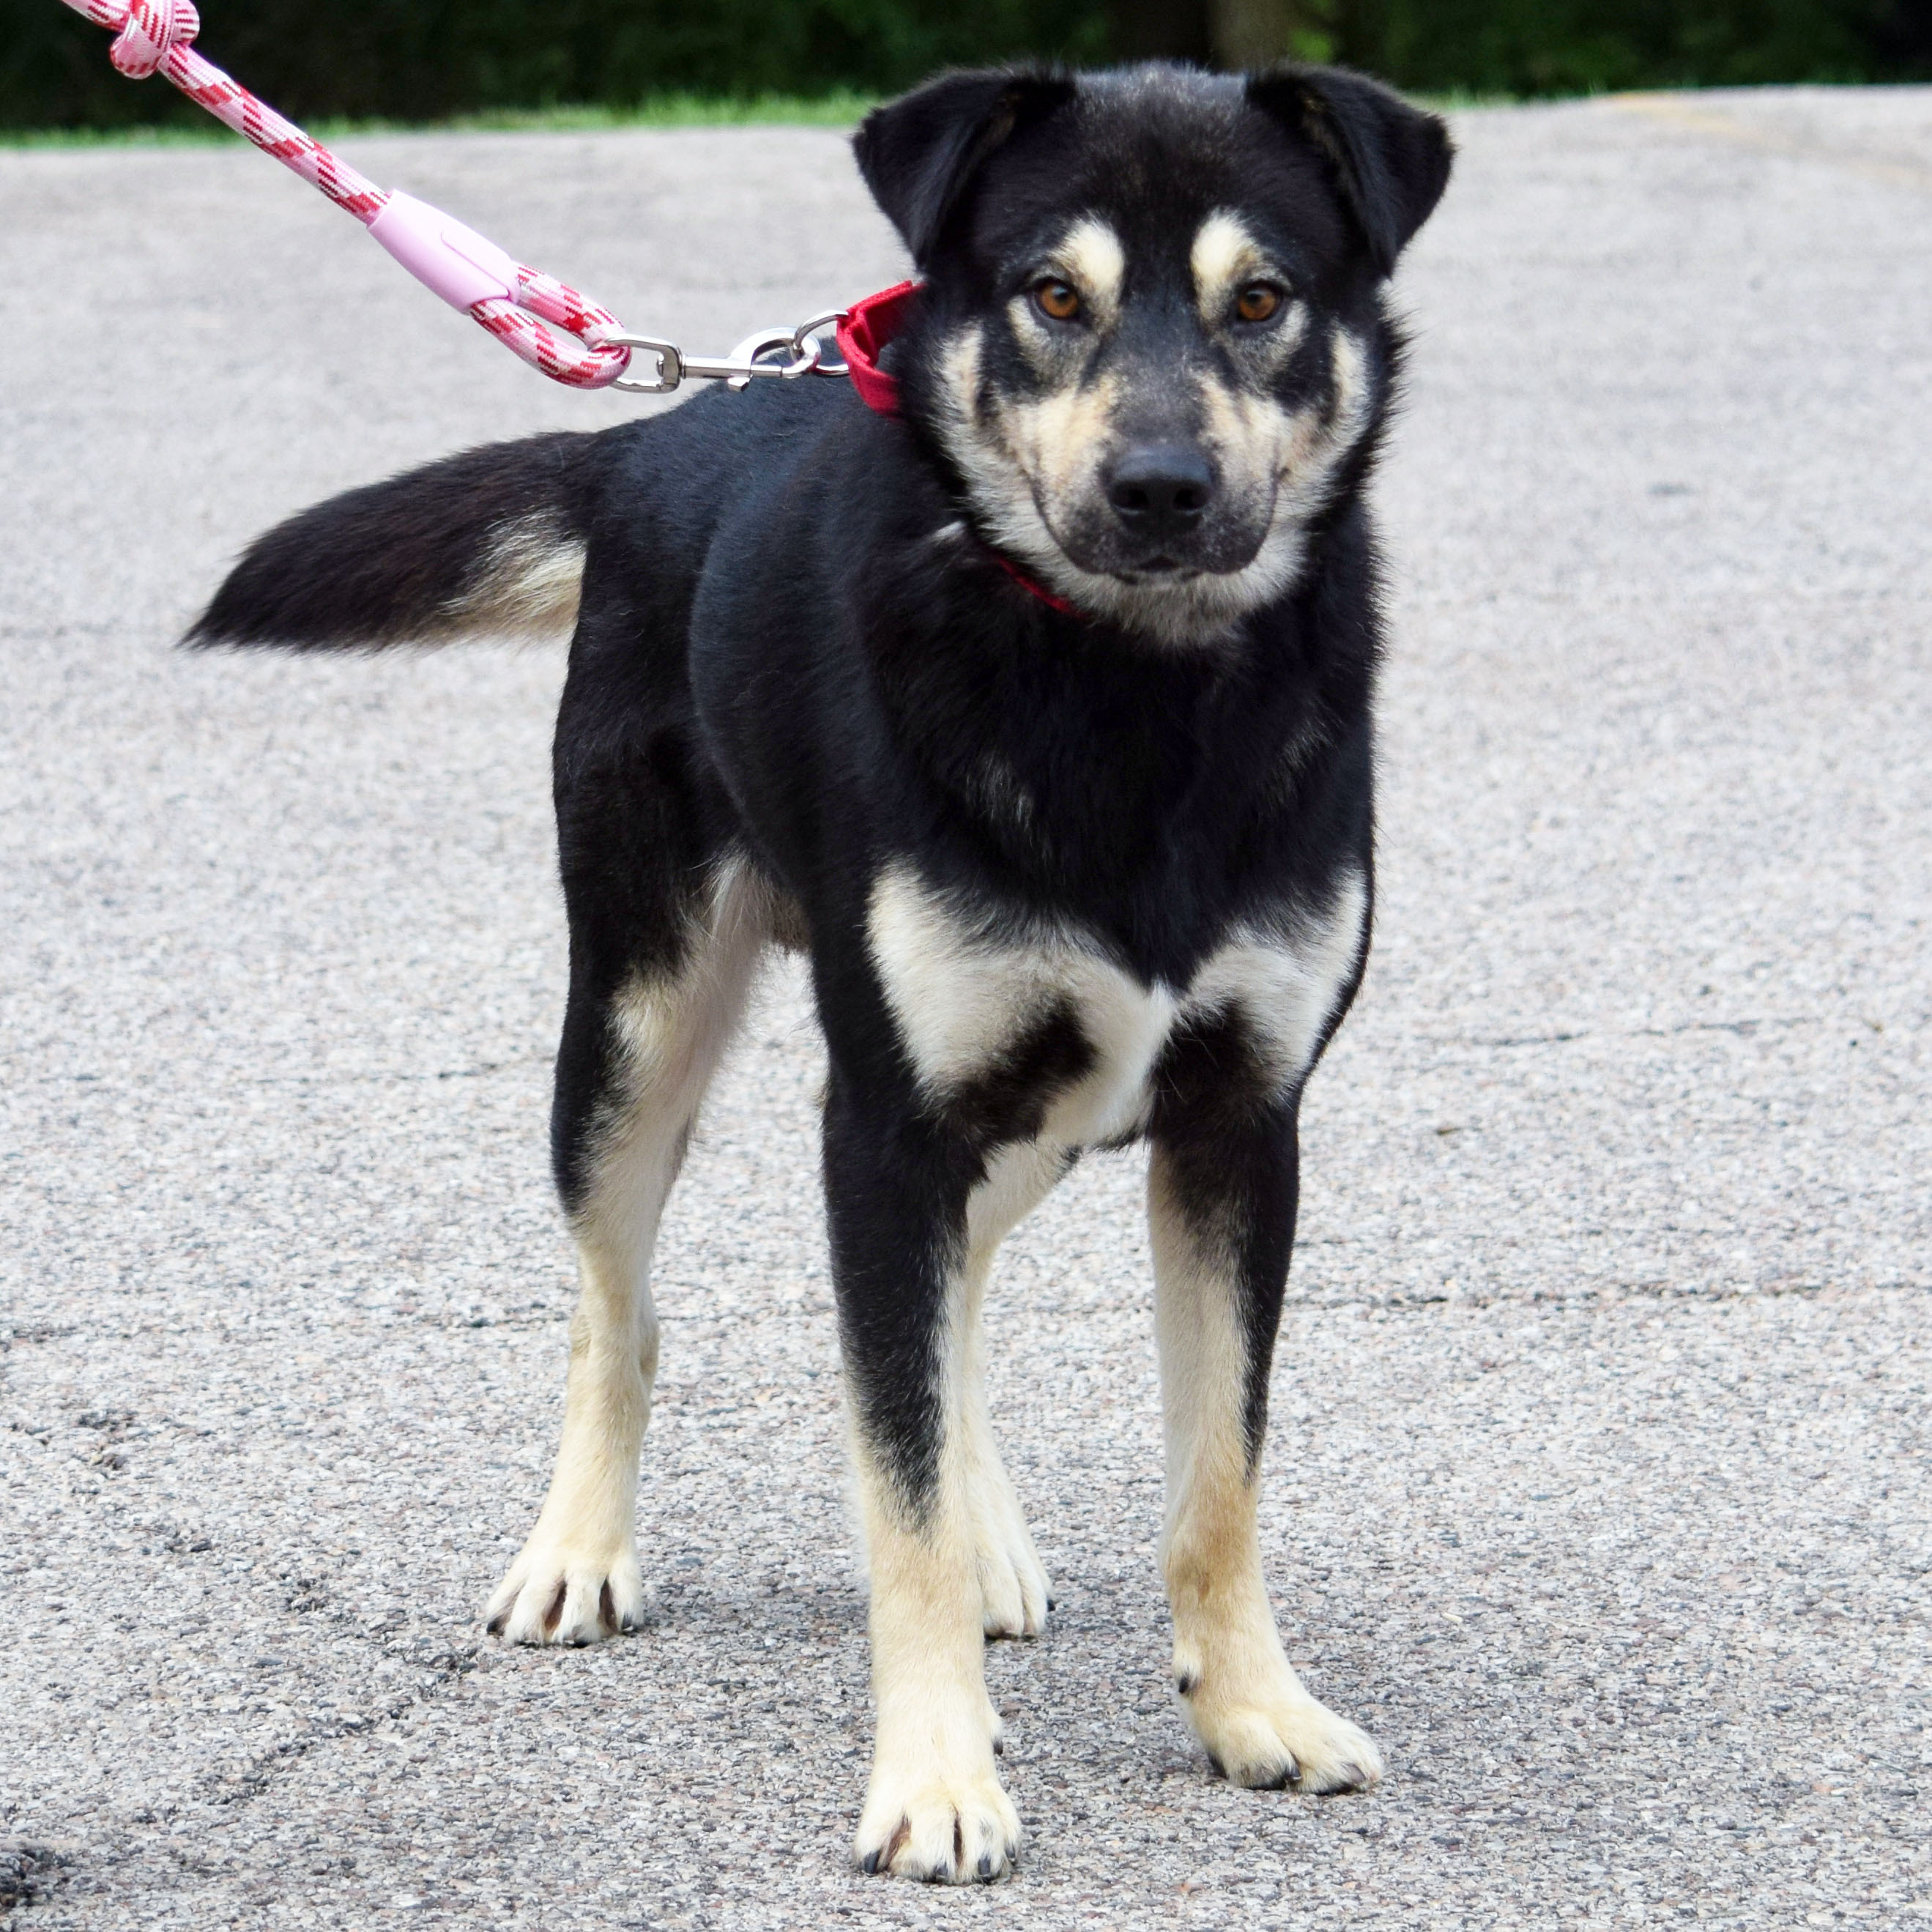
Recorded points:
(918,154)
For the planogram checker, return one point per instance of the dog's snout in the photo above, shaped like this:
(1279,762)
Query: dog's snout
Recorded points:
(1161,489)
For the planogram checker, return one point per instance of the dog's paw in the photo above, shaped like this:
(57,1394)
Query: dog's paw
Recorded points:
(957,1830)
(556,1592)
(1280,1739)
(1012,1584)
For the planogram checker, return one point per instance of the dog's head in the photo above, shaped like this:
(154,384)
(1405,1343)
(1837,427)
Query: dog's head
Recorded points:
(1151,344)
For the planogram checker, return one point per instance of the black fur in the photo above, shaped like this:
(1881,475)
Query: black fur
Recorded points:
(1390,162)
(751,671)
(782,655)
(390,562)
(919,156)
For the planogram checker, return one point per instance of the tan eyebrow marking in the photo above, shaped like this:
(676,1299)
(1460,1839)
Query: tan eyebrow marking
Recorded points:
(1224,255)
(1096,264)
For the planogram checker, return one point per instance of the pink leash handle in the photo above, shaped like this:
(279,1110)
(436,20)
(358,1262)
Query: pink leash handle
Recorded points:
(455,263)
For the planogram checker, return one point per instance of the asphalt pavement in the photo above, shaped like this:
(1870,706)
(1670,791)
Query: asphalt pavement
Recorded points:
(1597,1485)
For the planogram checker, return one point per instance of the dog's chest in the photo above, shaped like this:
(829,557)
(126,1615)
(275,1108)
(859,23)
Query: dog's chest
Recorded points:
(964,1003)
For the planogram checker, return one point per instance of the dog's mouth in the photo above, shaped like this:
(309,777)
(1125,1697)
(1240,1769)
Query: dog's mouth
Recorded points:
(1096,554)
(1164,569)
(1097,544)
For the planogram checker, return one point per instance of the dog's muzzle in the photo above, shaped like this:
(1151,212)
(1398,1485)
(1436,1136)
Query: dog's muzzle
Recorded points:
(1160,492)
(1162,511)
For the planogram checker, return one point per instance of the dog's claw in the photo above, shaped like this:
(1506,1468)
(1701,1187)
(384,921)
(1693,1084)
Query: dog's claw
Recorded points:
(1295,1745)
(959,1835)
(557,1594)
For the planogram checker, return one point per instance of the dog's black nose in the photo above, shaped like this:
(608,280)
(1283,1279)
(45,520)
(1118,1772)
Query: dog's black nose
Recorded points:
(1161,489)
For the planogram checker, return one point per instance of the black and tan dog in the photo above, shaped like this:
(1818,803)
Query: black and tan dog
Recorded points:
(1040,715)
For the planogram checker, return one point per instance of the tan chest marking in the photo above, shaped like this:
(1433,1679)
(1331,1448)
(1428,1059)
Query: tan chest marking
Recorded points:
(961,998)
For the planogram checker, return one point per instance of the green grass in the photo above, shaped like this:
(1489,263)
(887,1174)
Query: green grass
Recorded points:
(841,109)
(1459,100)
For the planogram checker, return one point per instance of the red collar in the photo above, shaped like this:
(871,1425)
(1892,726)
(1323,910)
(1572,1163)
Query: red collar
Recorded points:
(862,337)
(1051,599)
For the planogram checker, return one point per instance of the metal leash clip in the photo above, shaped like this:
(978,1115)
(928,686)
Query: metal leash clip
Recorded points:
(750,358)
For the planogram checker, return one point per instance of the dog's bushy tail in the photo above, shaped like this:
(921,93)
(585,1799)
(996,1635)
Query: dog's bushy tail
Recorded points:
(489,543)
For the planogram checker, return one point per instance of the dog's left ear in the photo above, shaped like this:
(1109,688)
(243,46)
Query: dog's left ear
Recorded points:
(918,154)
(1391,161)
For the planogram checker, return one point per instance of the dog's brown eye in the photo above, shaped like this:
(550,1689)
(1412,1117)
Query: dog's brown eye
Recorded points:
(1058,299)
(1258,301)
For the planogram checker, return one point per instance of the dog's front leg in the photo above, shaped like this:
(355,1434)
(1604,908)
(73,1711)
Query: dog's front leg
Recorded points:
(1221,1198)
(897,1190)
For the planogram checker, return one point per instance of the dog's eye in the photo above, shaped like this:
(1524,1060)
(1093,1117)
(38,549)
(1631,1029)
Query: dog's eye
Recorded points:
(1258,301)
(1058,300)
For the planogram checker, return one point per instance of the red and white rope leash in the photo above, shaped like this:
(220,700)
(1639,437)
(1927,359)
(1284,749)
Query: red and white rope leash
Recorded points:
(472,273)
(468,272)
(156,37)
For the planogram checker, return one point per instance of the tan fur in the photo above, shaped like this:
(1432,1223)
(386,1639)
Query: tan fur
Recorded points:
(1092,258)
(576,1578)
(1056,439)
(935,1806)
(1021,458)
(1224,257)
(1320,442)
(942,1582)
(1013,1585)
(1286,983)
(1243,1698)
(527,589)
(960,996)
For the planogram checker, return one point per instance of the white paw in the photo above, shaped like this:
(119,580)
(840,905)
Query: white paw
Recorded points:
(949,1829)
(561,1592)
(1012,1584)
(1270,1736)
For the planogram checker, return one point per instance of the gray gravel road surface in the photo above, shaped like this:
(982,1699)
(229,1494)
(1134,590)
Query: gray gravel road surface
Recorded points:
(1597,1485)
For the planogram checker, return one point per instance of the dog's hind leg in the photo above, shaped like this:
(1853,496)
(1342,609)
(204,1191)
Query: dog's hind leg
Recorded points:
(641,1040)
(1012,1583)
(1221,1197)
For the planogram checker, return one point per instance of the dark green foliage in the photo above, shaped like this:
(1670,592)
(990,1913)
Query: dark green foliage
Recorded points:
(420,60)
(1571,46)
